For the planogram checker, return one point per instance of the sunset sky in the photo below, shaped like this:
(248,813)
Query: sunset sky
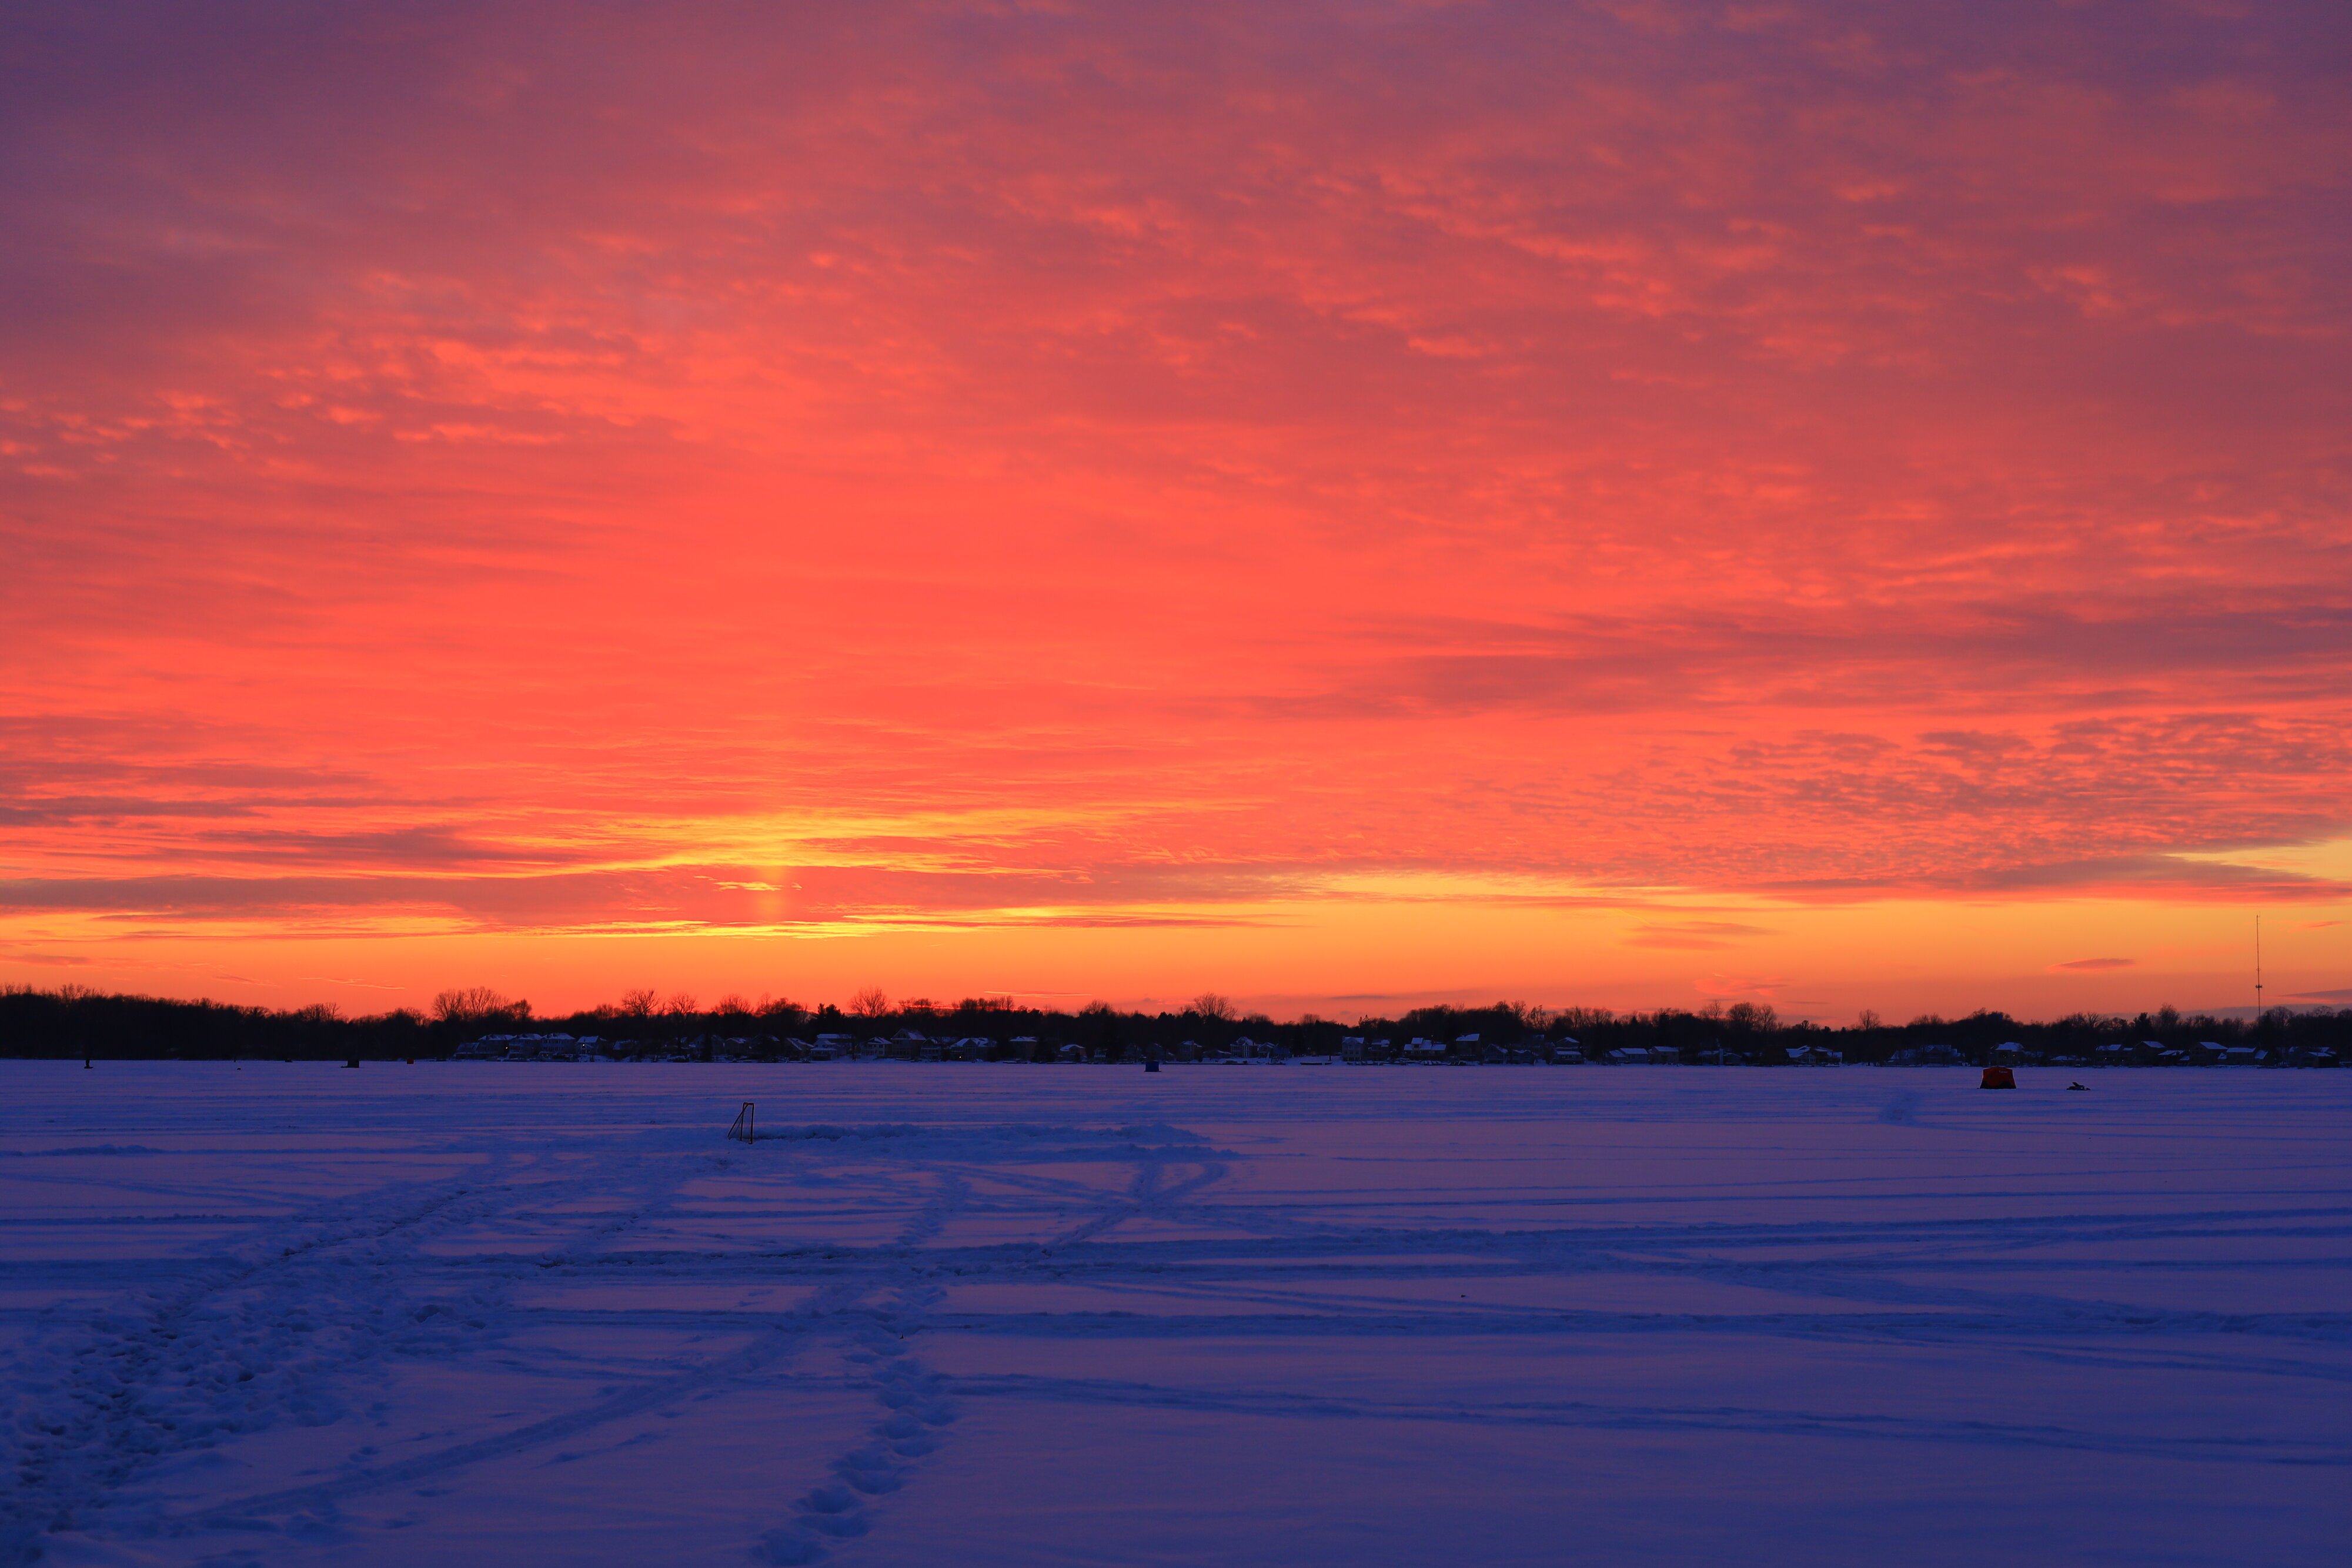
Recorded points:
(1840,505)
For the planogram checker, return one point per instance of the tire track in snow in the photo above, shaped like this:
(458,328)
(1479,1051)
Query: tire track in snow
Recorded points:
(250,1512)
(1656,1418)
(1144,1195)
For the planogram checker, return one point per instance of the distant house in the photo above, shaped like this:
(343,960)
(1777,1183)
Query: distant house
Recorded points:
(1071,1053)
(1419,1045)
(1626,1055)
(523,1048)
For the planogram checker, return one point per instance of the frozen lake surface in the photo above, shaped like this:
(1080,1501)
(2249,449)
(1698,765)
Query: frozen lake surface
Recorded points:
(973,1314)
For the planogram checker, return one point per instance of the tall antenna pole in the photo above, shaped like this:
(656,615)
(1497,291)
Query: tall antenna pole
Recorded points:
(2258,971)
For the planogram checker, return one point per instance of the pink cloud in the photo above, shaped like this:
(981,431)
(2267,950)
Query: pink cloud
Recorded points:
(552,475)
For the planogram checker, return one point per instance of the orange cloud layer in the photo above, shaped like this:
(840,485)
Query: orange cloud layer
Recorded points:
(515,470)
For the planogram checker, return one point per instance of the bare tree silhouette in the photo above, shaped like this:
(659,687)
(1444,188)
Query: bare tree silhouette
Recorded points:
(471,1004)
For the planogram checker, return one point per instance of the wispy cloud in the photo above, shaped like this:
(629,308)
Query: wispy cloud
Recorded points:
(1697,936)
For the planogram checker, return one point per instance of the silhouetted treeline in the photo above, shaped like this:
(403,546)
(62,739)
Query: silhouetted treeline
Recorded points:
(75,1022)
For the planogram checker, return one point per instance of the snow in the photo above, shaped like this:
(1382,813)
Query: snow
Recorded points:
(970,1313)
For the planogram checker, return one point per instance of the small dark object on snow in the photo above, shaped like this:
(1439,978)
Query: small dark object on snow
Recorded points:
(1999,1078)
(741,1131)
(2078,1086)
(354,1062)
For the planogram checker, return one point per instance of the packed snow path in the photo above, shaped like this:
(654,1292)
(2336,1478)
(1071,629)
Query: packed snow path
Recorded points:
(484,1313)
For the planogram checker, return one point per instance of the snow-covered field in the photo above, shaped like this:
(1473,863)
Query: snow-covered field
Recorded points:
(457,1314)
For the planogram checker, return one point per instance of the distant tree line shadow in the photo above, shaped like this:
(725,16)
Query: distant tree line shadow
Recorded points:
(479,1023)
